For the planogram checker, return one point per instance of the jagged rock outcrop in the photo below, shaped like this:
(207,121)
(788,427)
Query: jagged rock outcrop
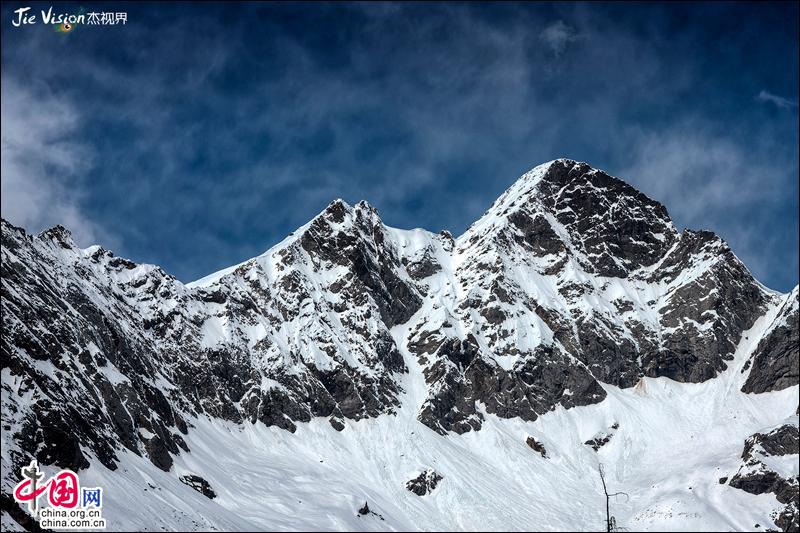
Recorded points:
(776,360)
(616,229)
(757,477)
(75,371)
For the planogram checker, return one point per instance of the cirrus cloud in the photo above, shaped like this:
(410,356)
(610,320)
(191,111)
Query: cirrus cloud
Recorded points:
(42,163)
(780,101)
(557,35)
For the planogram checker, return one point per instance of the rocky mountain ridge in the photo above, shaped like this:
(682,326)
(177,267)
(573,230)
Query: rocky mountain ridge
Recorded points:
(572,280)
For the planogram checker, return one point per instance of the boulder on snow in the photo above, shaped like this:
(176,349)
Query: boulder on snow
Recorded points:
(199,484)
(425,482)
(364,511)
(598,442)
(601,439)
(536,446)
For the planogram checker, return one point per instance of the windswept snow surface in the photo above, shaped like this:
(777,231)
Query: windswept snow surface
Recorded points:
(674,442)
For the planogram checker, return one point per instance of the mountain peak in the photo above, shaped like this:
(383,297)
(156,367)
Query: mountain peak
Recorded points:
(615,227)
(60,235)
(336,210)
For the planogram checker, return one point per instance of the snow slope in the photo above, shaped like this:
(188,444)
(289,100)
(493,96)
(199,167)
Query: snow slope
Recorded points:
(674,442)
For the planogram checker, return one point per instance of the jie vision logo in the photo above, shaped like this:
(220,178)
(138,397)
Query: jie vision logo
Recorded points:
(67,22)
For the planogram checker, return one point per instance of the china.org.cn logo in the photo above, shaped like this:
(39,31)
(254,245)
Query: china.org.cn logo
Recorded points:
(70,505)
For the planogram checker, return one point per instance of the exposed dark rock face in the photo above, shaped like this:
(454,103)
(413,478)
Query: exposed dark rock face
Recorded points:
(776,360)
(8,505)
(92,382)
(118,354)
(570,214)
(337,424)
(755,477)
(536,234)
(424,483)
(788,519)
(200,485)
(704,317)
(762,482)
(363,253)
(784,440)
(531,388)
(618,228)
(453,407)
(608,360)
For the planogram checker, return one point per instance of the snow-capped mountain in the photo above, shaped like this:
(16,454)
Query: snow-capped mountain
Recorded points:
(451,383)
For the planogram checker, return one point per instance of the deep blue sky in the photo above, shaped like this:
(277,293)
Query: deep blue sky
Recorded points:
(198,135)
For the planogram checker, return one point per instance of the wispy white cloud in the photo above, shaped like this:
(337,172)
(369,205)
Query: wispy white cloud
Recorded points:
(780,101)
(711,181)
(237,144)
(41,164)
(693,172)
(557,35)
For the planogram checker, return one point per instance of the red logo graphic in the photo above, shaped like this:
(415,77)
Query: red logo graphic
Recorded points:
(63,488)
